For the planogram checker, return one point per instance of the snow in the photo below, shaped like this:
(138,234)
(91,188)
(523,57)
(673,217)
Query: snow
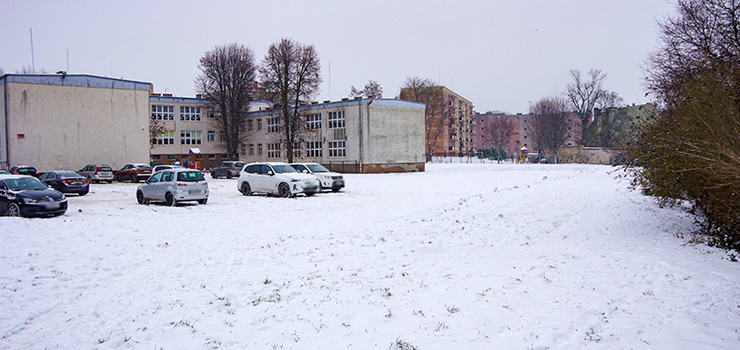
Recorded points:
(474,256)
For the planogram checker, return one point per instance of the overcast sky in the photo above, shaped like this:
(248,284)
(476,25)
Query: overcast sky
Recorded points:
(500,55)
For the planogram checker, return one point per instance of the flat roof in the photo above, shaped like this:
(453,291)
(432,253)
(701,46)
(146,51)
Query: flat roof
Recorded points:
(77,80)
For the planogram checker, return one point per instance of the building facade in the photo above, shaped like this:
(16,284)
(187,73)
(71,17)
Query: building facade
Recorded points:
(65,121)
(454,117)
(524,133)
(361,135)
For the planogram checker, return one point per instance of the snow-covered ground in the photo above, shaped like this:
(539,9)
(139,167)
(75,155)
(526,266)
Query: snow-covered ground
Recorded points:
(462,256)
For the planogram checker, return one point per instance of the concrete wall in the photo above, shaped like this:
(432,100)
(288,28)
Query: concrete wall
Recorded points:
(52,126)
(384,135)
(3,135)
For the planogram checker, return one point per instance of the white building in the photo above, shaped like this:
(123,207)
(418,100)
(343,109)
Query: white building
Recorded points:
(61,121)
(361,135)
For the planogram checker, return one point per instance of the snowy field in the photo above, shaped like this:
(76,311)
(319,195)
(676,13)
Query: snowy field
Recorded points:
(463,256)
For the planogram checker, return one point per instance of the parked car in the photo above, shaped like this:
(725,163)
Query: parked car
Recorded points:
(66,182)
(165,166)
(173,186)
(24,195)
(24,170)
(275,178)
(228,169)
(4,172)
(97,173)
(134,172)
(327,179)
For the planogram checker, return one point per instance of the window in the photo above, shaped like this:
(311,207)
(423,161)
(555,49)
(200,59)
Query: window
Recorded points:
(244,150)
(171,157)
(336,149)
(209,112)
(166,137)
(273,150)
(251,149)
(190,137)
(259,149)
(188,113)
(211,156)
(313,121)
(336,119)
(259,124)
(313,149)
(157,157)
(250,125)
(211,136)
(163,112)
(297,150)
(273,124)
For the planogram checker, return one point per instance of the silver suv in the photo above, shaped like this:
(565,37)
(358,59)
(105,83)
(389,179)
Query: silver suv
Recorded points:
(275,178)
(97,173)
(327,179)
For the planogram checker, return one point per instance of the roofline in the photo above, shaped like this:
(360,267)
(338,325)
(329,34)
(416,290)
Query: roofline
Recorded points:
(378,102)
(77,80)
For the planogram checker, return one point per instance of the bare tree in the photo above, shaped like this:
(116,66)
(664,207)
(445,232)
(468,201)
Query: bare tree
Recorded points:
(551,123)
(372,90)
(290,75)
(436,116)
(226,80)
(497,133)
(156,130)
(583,93)
(353,92)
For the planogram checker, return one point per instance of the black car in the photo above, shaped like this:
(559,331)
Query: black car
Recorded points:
(66,182)
(22,195)
(24,170)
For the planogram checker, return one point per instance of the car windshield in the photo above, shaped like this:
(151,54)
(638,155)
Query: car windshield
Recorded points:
(26,171)
(68,174)
(190,176)
(25,184)
(317,168)
(283,168)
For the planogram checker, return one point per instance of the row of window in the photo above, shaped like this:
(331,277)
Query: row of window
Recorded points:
(187,113)
(336,149)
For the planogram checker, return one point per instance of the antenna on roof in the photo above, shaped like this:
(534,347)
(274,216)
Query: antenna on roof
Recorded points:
(33,63)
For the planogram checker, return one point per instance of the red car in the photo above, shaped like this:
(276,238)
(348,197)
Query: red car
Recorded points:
(134,172)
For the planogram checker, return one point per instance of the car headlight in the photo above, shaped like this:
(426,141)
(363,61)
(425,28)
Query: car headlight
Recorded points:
(28,200)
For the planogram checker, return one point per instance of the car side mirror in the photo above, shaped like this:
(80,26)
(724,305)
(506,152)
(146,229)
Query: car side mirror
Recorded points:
(270,173)
(305,171)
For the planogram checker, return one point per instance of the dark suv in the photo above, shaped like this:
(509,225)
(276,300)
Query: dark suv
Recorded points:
(24,170)
(228,169)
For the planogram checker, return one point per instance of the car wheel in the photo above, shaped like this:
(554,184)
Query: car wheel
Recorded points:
(117,178)
(246,189)
(309,194)
(203,201)
(140,197)
(84,193)
(228,175)
(170,199)
(14,210)
(110,181)
(284,190)
(134,178)
(335,189)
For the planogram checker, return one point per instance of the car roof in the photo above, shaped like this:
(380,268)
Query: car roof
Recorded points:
(13,176)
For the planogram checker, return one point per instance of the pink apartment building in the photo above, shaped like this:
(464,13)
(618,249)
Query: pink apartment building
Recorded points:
(523,134)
